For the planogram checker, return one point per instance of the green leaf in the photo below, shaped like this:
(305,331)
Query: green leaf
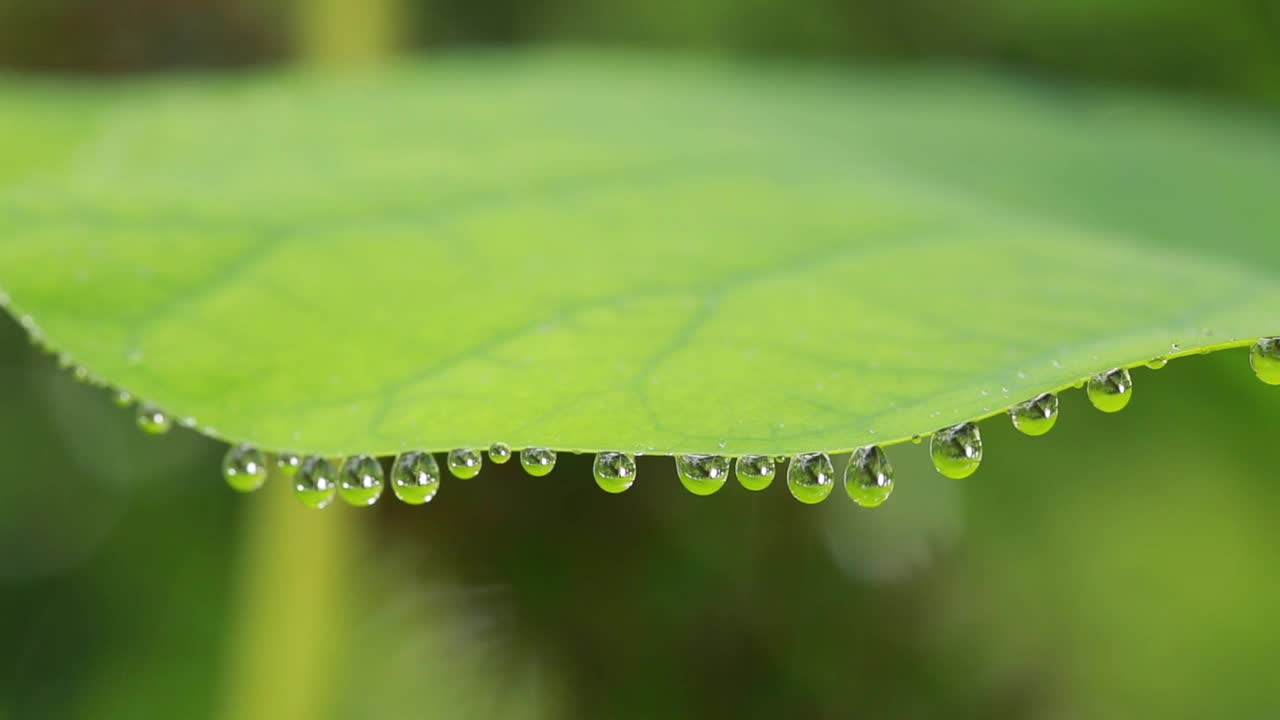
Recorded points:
(613,252)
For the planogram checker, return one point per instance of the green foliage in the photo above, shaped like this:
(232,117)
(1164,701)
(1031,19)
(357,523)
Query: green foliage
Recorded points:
(612,252)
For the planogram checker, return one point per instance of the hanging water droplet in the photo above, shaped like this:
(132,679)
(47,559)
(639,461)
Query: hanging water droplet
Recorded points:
(537,461)
(499,453)
(360,482)
(314,482)
(957,451)
(869,478)
(244,468)
(1036,416)
(810,477)
(1157,363)
(1111,390)
(614,471)
(65,361)
(80,373)
(702,474)
(123,399)
(288,462)
(464,463)
(917,439)
(755,472)
(415,477)
(1264,357)
(152,420)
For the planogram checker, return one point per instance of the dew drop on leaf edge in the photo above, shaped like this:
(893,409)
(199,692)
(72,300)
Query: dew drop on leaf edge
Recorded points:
(315,482)
(360,481)
(1111,391)
(1264,358)
(868,480)
(810,477)
(499,453)
(957,450)
(288,463)
(537,461)
(464,463)
(122,398)
(755,472)
(244,468)
(702,474)
(415,477)
(1036,416)
(152,420)
(614,471)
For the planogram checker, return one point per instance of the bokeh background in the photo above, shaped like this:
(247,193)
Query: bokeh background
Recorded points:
(1122,566)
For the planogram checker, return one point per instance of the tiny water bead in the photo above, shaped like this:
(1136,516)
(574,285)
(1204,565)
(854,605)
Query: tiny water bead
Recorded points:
(1036,416)
(1264,357)
(810,477)
(702,474)
(315,482)
(614,471)
(869,478)
(123,399)
(1111,390)
(957,450)
(499,453)
(415,477)
(152,420)
(360,482)
(288,462)
(244,468)
(1157,363)
(755,472)
(537,461)
(464,463)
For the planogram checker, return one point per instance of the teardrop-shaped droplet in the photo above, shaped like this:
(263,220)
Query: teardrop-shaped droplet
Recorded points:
(499,453)
(1111,390)
(415,477)
(614,471)
(755,472)
(288,463)
(152,420)
(810,477)
(1036,416)
(464,463)
(957,451)
(869,478)
(315,482)
(122,399)
(702,474)
(1264,357)
(360,482)
(1157,363)
(537,461)
(244,468)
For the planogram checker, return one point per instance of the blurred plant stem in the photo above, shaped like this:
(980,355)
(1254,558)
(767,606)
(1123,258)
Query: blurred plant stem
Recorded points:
(294,567)
(346,32)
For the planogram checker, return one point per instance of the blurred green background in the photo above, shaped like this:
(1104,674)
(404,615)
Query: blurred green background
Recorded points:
(1122,566)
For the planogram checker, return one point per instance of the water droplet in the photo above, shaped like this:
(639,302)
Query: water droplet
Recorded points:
(869,478)
(755,472)
(314,484)
(614,471)
(957,450)
(288,462)
(1036,416)
(1111,390)
(499,453)
(810,477)
(80,373)
(702,474)
(123,399)
(1157,363)
(1175,347)
(244,468)
(415,477)
(65,361)
(152,420)
(1264,358)
(917,439)
(464,463)
(360,482)
(537,461)
(188,422)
